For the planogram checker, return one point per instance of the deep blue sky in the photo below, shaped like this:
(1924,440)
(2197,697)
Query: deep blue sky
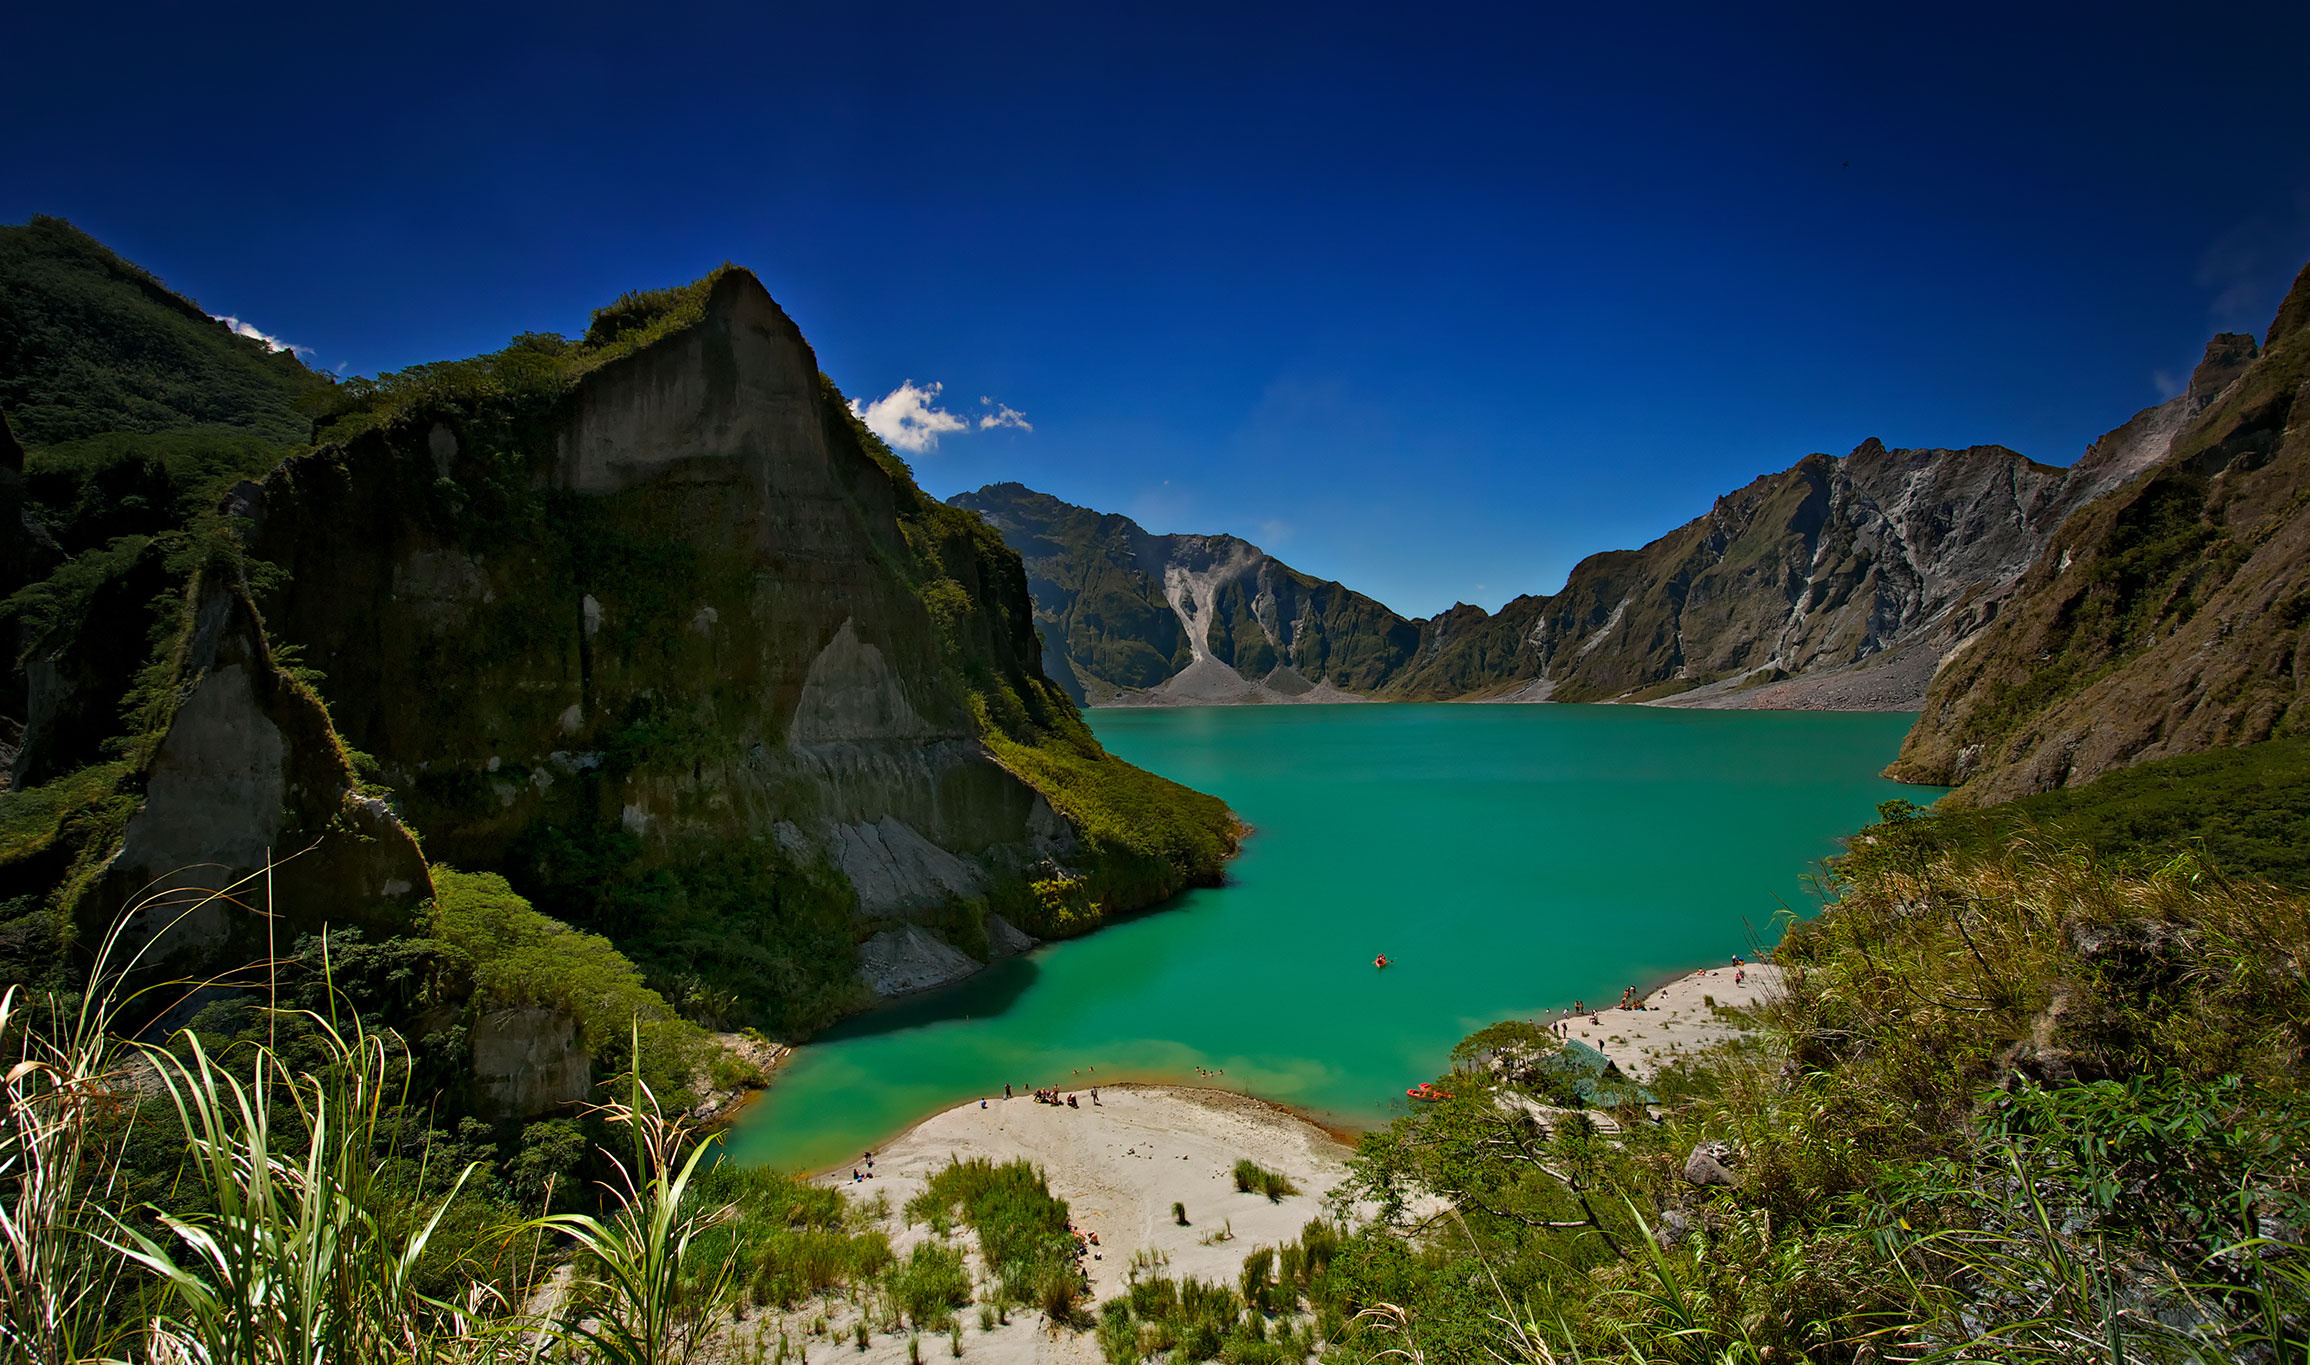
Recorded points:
(1432,300)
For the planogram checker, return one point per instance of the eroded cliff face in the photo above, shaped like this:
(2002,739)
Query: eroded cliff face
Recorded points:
(680,618)
(2161,619)
(252,830)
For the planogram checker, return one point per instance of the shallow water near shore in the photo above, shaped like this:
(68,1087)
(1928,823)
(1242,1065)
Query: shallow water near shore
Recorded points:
(1507,859)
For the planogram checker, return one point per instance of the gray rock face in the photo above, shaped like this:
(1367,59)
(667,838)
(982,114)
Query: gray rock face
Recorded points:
(896,871)
(527,1062)
(1186,620)
(1711,1163)
(910,958)
(2167,616)
(1004,938)
(250,774)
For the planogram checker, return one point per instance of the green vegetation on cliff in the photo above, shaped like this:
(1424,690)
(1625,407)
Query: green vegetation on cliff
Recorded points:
(2244,811)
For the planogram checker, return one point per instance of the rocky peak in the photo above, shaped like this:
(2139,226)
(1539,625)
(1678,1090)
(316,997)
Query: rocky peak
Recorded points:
(2227,357)
(2293,312)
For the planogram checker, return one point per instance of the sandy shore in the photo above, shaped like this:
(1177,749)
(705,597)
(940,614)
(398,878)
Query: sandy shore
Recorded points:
(1676,1019)
(1120,1165)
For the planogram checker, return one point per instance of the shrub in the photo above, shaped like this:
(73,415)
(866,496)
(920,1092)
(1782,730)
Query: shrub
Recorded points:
(1251,1177)
(930,1284)
(1021,1226)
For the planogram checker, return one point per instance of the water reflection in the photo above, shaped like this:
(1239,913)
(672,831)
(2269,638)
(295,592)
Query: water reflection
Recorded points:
(988,995)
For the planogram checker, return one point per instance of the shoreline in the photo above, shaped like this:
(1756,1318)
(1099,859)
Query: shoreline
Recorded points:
(1218,1096)
(1671,1024)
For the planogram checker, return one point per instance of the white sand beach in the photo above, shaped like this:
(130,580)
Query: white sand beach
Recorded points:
(1678,1019)
(1120,1164)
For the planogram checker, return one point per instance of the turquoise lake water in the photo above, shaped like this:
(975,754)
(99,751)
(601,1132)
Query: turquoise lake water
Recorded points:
(1508,859)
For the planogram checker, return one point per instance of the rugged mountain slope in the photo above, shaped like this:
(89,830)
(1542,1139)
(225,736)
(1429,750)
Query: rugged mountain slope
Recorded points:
(644,621)
(138,410)
(2163,619)
(1849,576)
(1186,619)
(1833,568)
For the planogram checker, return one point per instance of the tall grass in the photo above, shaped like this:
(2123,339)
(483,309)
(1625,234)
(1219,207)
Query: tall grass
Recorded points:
(1022,1229)
(1253,1178)
(57,1289)
(649,1301)
(65,1111)
(304,1257)
(300,1229)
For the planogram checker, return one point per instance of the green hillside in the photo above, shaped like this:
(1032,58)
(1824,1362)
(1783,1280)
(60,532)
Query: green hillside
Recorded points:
(90,343)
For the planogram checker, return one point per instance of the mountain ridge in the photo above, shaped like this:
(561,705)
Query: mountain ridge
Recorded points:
(1839,582)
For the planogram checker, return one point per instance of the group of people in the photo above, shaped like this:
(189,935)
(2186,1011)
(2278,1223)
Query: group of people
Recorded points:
(855,1176)
(1053,1095)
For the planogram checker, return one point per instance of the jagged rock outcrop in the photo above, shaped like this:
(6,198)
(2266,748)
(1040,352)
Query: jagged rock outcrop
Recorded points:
(1127,616)
(248,774)
(2164,618)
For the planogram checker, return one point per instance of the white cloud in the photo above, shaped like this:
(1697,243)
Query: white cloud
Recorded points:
(272,343)
(1004,415)
(909,417)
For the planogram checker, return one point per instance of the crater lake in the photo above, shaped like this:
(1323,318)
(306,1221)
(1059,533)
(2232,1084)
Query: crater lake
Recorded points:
(1507,859)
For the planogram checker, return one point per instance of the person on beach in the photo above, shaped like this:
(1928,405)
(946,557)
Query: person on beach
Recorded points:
(1071,1103)
(1094,1094)
(1006,1091)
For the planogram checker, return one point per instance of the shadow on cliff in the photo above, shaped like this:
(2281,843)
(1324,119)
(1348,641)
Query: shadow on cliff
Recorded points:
(987,995)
